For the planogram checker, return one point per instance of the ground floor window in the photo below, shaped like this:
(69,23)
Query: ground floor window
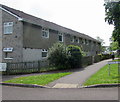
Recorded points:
(44,53)
(7,52)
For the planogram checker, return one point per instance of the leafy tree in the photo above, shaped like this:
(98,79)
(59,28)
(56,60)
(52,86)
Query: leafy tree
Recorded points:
(112,10)
(102,43)
(101,40)
(113,45)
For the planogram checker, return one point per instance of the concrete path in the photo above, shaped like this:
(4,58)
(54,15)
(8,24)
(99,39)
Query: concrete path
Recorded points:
(76,79)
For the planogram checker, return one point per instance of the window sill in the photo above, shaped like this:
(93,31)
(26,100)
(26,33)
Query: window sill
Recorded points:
(61,41)
(8,58)
(45,37)
(7,33)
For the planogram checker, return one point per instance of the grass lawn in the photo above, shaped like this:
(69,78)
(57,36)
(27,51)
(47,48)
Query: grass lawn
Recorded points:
(102,77)
(38,79)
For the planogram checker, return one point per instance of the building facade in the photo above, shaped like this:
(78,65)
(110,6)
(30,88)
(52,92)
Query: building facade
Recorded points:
(24,37)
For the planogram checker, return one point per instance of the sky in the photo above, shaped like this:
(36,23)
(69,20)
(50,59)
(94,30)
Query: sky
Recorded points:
(84,16)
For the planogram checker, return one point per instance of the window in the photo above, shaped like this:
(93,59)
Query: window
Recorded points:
(83,41)
(7,53)
(44,53)
(87,42)
(8,49)
(8,27)
(77,40)
(45,32)
(60,37)
(72,39)
(80,40)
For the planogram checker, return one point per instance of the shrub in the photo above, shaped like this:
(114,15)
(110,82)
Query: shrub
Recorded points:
(58,55)
(62,56)
(105,56)
(74,59)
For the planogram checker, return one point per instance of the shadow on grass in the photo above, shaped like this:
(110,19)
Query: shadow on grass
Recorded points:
(116,77)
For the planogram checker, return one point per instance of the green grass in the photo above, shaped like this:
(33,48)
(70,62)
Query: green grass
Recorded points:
(38,79)
(102,77)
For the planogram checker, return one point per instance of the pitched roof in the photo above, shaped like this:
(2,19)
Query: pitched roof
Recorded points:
(38,21)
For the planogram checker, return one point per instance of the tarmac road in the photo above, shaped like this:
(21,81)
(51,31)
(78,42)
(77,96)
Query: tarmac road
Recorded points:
(21,93)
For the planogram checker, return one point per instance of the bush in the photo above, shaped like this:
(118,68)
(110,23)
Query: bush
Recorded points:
(58,55)
(75,56)
(105,56)
(63,57)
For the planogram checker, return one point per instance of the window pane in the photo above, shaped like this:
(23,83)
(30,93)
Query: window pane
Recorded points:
(44,54)
(45,33)
(60,38)
(8,28)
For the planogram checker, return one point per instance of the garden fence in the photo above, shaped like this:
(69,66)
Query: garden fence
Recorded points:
(39,66)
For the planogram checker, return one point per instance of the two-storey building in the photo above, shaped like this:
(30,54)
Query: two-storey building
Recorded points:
(24,37)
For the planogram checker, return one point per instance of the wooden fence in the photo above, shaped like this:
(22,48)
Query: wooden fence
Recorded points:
(38,66)
(25,67)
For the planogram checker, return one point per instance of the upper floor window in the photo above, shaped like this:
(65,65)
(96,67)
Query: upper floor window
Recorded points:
(8,27)
(87,42)
(77,40)
(45,32)
(83,41)
(72,39)
(60,37)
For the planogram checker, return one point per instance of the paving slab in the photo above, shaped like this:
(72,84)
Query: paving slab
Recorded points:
(64,85)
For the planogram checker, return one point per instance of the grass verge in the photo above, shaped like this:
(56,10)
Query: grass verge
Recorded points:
(102,76)
(38,79)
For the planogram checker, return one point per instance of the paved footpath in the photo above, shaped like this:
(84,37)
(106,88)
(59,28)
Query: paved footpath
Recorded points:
(76,79)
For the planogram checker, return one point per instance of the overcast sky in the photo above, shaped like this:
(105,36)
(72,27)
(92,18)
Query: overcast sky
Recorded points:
(84,16)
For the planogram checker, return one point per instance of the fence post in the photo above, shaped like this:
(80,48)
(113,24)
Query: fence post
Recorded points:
(38,66)
(93,59)
(7,68)
(109,69)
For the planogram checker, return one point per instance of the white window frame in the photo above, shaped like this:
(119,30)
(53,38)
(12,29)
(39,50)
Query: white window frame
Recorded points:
(6,51)
(8,27)
(77,40)
(46,51)
(60,34)
(10,49)
(46,31)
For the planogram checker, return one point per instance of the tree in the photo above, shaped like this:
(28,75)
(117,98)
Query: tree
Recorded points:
(101,40)
(102,43)
(112,10)
(113,44)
